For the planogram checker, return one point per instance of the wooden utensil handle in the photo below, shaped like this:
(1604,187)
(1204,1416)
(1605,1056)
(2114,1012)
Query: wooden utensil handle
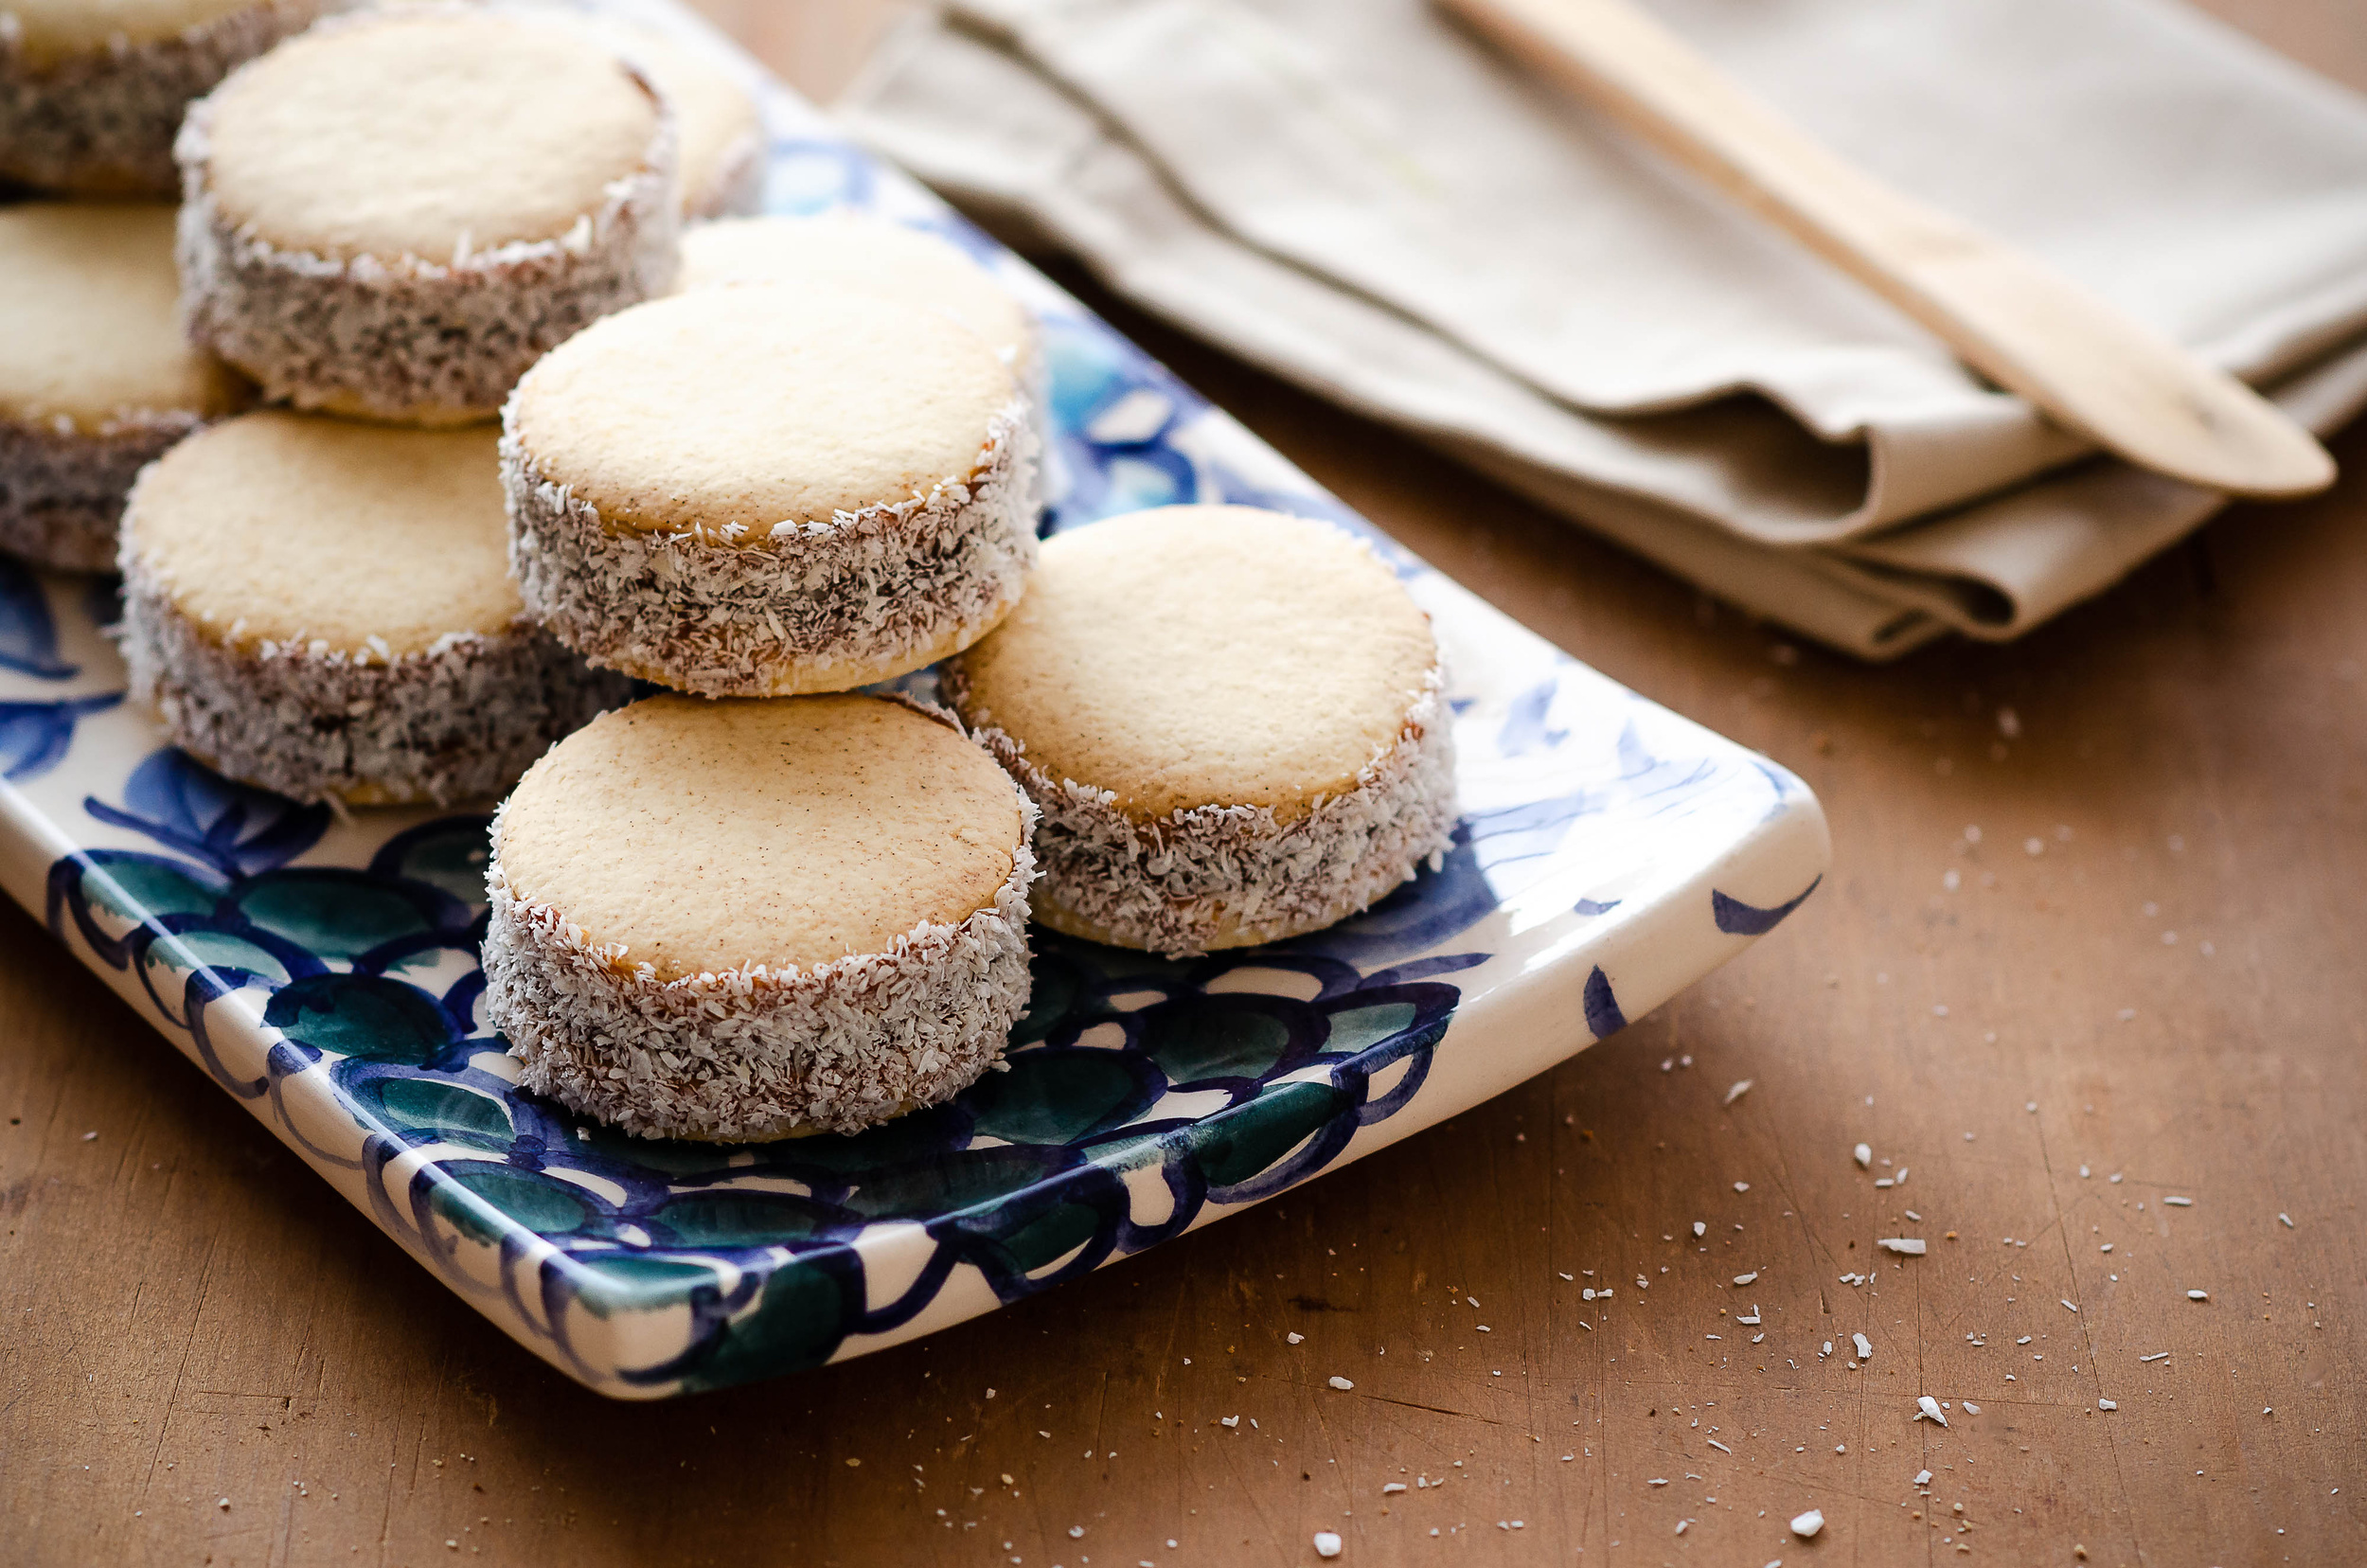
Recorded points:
(2026,328)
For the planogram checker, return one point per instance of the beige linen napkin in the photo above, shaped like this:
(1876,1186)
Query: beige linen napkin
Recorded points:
(1359,196)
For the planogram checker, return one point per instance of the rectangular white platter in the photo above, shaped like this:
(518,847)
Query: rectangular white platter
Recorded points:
(323,969)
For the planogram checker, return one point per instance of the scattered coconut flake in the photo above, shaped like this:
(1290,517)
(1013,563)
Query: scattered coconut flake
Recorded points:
(1746,1278)
(2108,1404)
(2067,1303)
(1908,1246)
(1923,1478)
(1341,1384)
(1657,1480)
(1294,1337)
(1912,1215)
(1229,1420)
(1971,1409)
(2158,1355)
(2180,1202)
(2287,1218)
(1865,1347)
(1753,1320)
(1720,1447)
(1863,1154)
(1327,1543)
(1739,1090)
(1929,1409)
(2199,1296)
(1899,1180)
(1699,1229)
(1742,1187)
(1807,1524)
(1392,1486)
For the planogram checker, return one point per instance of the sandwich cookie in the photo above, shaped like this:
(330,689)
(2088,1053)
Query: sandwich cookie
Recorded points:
(718,129)
(397,213)
(871,256)
(91,93)
(758,489)
(737,920)
(96,379)
(1232,720)
(323,608)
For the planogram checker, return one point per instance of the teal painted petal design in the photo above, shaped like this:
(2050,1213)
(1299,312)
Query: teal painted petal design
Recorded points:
(448,854)
(1051,1097)
(484,1201)
(433,1111)
(340,914)
(367,1016)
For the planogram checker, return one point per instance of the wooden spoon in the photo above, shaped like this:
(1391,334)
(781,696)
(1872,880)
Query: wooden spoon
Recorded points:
(2027,328)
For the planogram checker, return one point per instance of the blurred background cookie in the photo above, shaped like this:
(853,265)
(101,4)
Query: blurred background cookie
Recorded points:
(96,378)
(90,92)
(1231,719)
(397,213)
(735,920)
(719,132)
(323,608)
(759,490)
(868,255)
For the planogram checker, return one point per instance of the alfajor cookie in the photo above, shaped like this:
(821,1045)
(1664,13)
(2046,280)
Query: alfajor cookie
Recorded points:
(740,920)
(92,93)
(1232,720)
(323,608)
(96,379)
(759,490)
(867,255)
(718,130)
(394,214)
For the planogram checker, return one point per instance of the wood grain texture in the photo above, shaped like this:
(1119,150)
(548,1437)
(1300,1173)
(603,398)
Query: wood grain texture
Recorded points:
(2026,326)
(189,1319)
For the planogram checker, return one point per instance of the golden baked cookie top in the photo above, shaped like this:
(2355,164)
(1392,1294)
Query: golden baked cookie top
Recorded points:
(429,132)
(868,255)
(88,329)
(707,835)
(1193,656)
(369,538)
(756,404)
(50,30)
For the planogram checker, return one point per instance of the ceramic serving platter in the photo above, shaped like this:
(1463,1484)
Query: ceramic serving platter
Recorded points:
(322,969)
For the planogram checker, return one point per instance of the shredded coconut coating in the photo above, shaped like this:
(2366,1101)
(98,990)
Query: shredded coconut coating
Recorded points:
(1233,876)
(456,723)
(758,1053)
(823,606)
(413,339)
(61,490)
(102,123)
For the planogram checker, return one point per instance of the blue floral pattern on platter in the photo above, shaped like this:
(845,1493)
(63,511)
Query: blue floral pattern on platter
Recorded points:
(323,967)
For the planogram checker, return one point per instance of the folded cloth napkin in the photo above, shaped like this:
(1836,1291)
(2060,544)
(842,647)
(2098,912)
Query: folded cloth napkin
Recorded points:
(1367,199)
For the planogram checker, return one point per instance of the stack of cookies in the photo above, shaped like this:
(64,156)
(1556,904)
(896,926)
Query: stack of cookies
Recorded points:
(764,463)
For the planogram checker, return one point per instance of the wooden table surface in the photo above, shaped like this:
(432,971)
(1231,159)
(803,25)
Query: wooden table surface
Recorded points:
(2140,982)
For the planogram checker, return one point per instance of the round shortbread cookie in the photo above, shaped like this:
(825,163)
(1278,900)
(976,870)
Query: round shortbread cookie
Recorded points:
(397,213)
(1232,720)
(718,130)
(759,490)
(870,256)
(324,608)
(92,91)
(96,379)
(738,920)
